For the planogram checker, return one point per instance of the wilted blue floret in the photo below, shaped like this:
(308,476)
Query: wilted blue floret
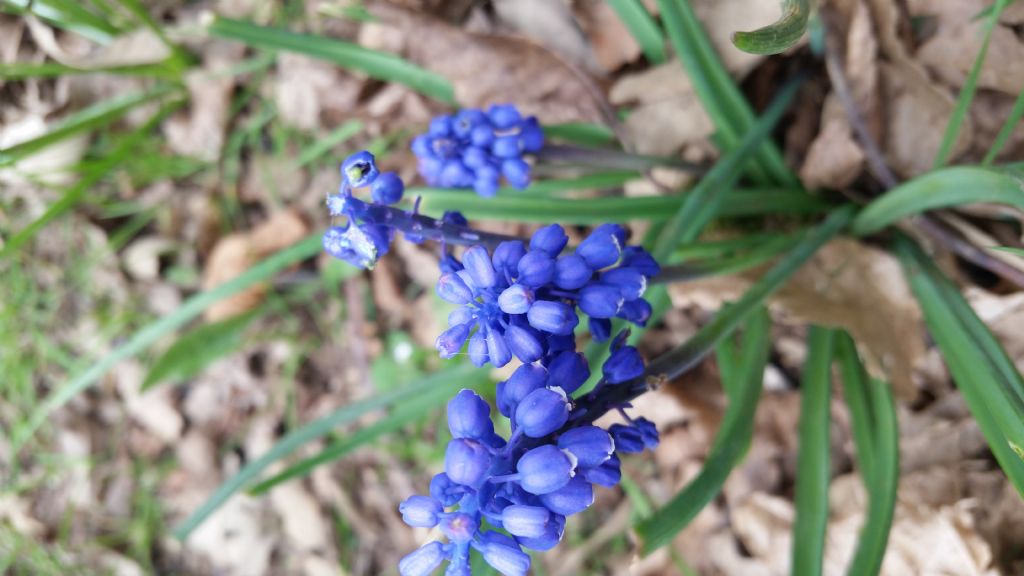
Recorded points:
(474,149)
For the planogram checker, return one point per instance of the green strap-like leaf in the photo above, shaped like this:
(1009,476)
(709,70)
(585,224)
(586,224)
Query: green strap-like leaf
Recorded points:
(198,348)
(463,374)
(812,475)
(943,188)
(380,65)
(780,35)
(731,443)
(642,27)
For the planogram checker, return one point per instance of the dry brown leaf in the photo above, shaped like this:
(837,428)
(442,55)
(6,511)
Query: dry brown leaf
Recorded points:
(1004,315)
(306,90)
(551,24)
(834,159)
(199,131)
(487,69)
(612,42)
(236,253)
(847,285)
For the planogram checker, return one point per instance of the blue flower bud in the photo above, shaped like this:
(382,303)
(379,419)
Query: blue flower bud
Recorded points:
(451,340)
(430,168)
(525,379)
(637,257)
(591,445)
(648,431)
(573,498)
(636,311)
(421,146)
(387,188)
(607,474)
(624,364)
(558,343)
(516,299)
(454,217)
(467,279)
(517,172)
(600,300)
(467,120)
(482,136)
(552,536)
(568,371)
(630,281)
(506,257)
(477,349)
(503,554)
(359,169)
(469,416)
(420,511)
(525,521)
(532,135)
(603,247)
(466,462)
(478,264)
(600,328)
(545,469)
(498,352)
(440,125)
(536,269)
(423,560)
(553,317)
(551,239)
(627,438)
(475,158)
(459,527)
(542,412)
(456,175)
(444,490)
(572,272)
(486,182)
(504,116)
(451,288)
(524,342)
(461,315)
(507,146)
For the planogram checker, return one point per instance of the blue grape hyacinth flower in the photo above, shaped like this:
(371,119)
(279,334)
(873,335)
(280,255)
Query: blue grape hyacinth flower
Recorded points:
(475,149)
(522,301)
(527,485)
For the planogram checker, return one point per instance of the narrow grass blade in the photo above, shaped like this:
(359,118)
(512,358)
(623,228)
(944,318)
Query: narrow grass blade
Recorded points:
(963,101)
(96,116)
(731,442)
(990,384)
(414,409)
(1006,131)
(122,152)
(780,35)
(338,136)
(758,256)
(69,15)
(23,70)
(940,189)
(812,476)
(876,438)
(719,95)
(197,349)
(380,65)
(1017,251)
(641,25)
(152,333)
(583,133)
(702,202)
(530,206)
(462,373)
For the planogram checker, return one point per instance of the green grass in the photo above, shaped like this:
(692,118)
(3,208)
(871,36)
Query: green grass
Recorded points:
(780,35)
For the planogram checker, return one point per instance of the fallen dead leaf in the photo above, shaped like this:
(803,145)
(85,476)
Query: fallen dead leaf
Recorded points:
(199,131)
(551,24)
(307,91)
(612,42)
(834,159)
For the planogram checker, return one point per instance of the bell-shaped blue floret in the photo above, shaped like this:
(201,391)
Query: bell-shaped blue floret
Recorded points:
(531,134)
(420,511)
(506,257)
(648,431)
(478,264)
(466,462)
(627,438)
(469,416)
(387,188)
(487,181)
(636,311)
(607,474)
(602,248)
(440,125)
(451,340)
(516,299)
(525,521)
(468,119)
(551,537)
(536,269)
(568,371)
(524,343)
(423,560)
(504,116)
(498,349)
(600,328)
(507,146)
(553,317)
(359,169)
(545,469)
(572,272)
(475,158)
(631,283)
(573,498)
(525,379)
(600,300)
(455,174)
(451,288)
(550,239)
(637,257)
(444,490)
(591,445)
(477,349)
(503,554)
(542,412)
(517,172)
(623,364)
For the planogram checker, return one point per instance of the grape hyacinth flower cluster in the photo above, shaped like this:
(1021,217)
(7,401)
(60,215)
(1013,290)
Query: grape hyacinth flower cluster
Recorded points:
(474,149)
(526,485)
(521,300)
